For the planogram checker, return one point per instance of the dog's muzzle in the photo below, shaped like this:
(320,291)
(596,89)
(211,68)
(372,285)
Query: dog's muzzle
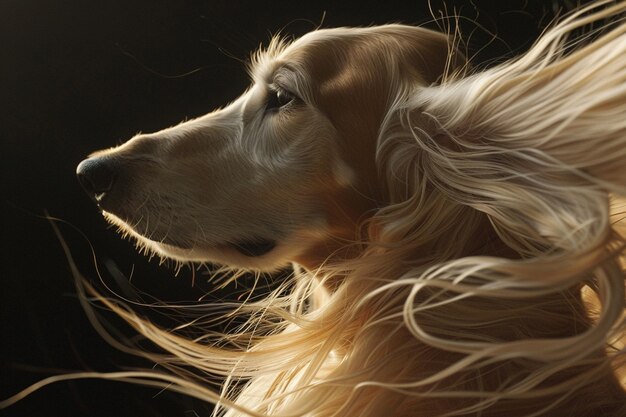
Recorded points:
(105,180)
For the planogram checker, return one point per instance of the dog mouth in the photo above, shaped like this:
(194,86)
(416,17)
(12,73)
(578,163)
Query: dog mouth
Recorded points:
(251,248)
(254,248)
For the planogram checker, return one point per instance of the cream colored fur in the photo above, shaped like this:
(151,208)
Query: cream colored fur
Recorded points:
(444,226)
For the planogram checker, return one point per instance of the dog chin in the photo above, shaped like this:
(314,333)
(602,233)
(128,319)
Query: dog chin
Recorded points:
(258,254)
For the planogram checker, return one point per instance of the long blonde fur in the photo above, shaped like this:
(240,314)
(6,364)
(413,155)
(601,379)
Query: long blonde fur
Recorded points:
(488,281)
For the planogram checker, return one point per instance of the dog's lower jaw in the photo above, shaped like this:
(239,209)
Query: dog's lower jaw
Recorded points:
(256,247)
(263,254)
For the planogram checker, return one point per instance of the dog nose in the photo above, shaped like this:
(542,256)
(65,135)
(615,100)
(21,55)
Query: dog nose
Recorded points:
(96,176)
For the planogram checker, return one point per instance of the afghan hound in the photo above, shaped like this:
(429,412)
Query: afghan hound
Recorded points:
(454,233)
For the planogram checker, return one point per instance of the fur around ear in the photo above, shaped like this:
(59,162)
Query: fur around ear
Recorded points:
(530,149)
(524,139)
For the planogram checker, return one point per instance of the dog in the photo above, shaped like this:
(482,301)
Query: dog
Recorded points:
(454,234)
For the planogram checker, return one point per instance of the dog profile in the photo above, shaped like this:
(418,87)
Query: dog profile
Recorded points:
(454,234)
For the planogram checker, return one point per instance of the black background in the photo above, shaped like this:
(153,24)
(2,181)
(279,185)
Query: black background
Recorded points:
(81,75)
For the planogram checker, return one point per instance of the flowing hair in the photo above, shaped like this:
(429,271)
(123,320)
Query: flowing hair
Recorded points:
(489,282)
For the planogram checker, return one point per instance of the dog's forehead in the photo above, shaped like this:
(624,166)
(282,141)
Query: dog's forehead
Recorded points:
(328,36)
(320,47)
(317,57)
(340,40)
(325,46)
(322,53)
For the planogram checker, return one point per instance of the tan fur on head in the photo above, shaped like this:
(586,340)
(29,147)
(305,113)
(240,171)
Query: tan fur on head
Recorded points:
(456,237)
(302,175)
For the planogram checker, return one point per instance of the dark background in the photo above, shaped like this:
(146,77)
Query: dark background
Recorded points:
(81,75)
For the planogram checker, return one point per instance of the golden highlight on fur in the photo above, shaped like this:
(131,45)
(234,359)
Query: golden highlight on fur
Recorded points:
(476,268)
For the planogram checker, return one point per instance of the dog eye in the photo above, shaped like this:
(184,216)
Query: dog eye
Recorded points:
(279,98)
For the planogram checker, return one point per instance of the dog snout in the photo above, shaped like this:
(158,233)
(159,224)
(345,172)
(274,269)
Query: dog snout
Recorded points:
(97,176)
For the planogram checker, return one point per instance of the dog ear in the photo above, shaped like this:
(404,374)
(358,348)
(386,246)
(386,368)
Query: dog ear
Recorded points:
(537,142)
(358,77)
(549,110)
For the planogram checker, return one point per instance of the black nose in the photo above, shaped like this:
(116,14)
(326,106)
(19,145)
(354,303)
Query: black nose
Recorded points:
(96,175)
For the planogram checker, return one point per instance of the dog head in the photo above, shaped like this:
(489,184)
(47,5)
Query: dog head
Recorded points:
(286,172)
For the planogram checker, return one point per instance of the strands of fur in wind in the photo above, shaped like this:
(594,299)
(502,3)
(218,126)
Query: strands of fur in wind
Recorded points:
(531,149)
